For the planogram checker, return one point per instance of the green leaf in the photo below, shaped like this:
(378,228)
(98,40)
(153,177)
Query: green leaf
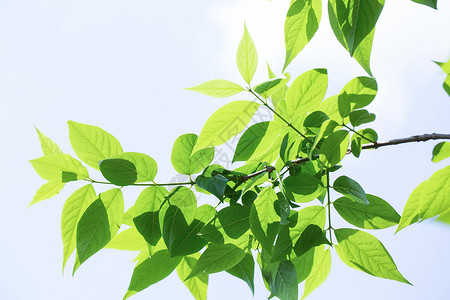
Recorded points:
(47,191)
(92,144)
(268,88)
(59,168)
(429,199)
(73,209)
(186,162)
(234,220)
(311,237)
(303,187)
(334,148)
(249,141)
(129,168)
(356,145)
(353,23)
(377,214)
(217,258)
(351,189)
(147,224)
(149,200)
(283,245)
(315,215)
(246,57)
(284,284)
(302,22)
(183,198)
(446,85)
(361,116)
(245,270)
(264,221)
(215,184)
(152,270)
(174,227)
(430,3)
(47,145)
(369,136)
(99,223)
(129,239)
(441,151)
(362,251)
(225,123)
(197,285)
(304,264)
(219,88)
(305,94)
(320,270)
(357,93)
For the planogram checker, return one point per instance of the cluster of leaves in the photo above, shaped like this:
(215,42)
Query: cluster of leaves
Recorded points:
(276,207)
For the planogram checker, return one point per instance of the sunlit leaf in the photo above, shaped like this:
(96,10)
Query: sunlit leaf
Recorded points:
(47,191)
(59,168)
(284,284)
(303,187)
(283,244)
(268,88)
(219,88)
(430,3)
(215,184)
(128,168)
(312,236)
(357,93)
(47,145)
(334,148)
(245,270)
(235,220)
(249,141)
(362,251)
(302,219)
(441,151)
(225,123)
(186,162)
(129,239)
(92,144)
(320,270)
(304,264)
(183,198)
(246,57)
(198,285)
(351,189)
(361,116)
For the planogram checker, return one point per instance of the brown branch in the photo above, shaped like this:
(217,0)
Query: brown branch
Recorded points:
(414,138)
(268,169)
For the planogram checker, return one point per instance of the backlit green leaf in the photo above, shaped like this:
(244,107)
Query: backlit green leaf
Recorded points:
(249,141)
(305,94)
(186,162)
(129,239)
(147,224)
(334,148)
(99,223)
(302,22)
(47,145)
(225,123)
(217,258)
(183,198)
(174,226)
(283,245)
(312,236)
(197,285)
(59,168)
(302,219)
(357,93)
(128,168)
(219,88)
(430,3)
(245,270)
(215,184)
(320,270)
(151,270)
(47,191)
(353,23)
(246,57)
(284,284)
(441,151)
(362,251)
(268,88)
(361,116)
(73,209)
(430,198)
(351,189)
(304,264)
(234,220)
(303,187)
(92,144)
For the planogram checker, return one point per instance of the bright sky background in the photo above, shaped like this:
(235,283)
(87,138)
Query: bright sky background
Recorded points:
(122,64)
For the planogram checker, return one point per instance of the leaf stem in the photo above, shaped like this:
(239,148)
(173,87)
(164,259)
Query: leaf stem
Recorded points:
(357,133)
(144,184)
(329,206)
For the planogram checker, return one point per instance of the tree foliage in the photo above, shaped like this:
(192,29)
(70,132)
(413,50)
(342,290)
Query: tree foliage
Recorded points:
(275,209)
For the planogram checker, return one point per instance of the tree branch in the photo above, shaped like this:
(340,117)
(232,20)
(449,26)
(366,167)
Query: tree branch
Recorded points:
(268,169)
(414,138)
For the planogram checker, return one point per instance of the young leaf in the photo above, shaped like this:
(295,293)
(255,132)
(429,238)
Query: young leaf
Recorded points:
(149,200)
(302,22)
(320,270)
(311,237)
(268,88)
(246,57)
(92,144)
(217,258)
(245,270)
(59,168)
(361,116)
(215,184)
(73,209)
(197,285)
(219,88)
(441,151)
(302,188)
(47,145)
(234,220)
(129,239)
(356,145)
(47,191)
(151,270)
(430,3)
(351,189)
(302,219)
(378,214)
(284,284)
(249,141)
(427,200)
(357,93)
(183,198)
(353,23)
(99,223)
(128,168)
(305,94)
(304,264)
(186,162)
(225,123)
(362,251)
(334,148)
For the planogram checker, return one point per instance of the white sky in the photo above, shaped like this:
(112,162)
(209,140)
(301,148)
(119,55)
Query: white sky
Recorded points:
(122,65)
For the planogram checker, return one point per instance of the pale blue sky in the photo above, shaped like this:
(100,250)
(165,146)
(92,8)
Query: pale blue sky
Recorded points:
(122,65)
